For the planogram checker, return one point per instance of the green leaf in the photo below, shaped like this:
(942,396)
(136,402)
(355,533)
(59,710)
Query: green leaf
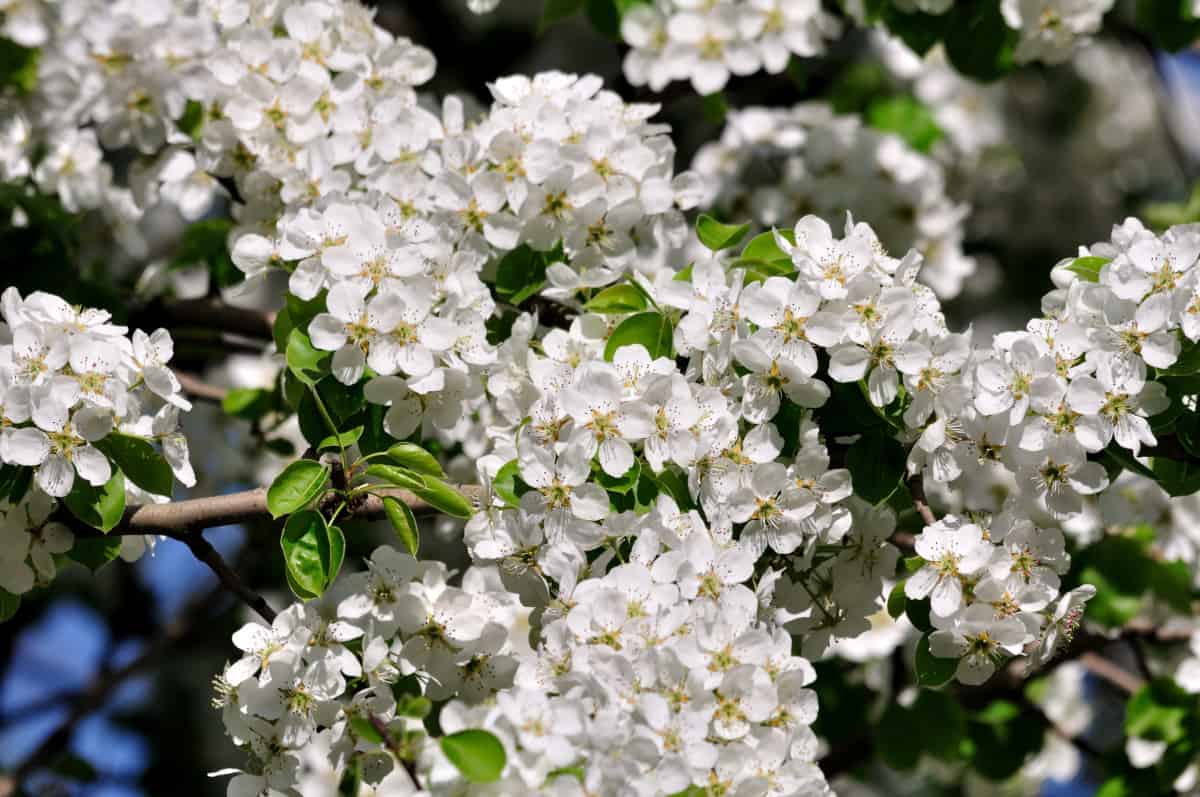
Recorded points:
(415,706)
(477,754)
(341,440)
(978,42)
(908,118)
(14,482)
(1177,478)
(509,485)
(920,31)
(100,507)
(898,741)
(205,243)
(249,403)
(715,107)
(1002,738)
(365,729)
(1158,711)
(9,604)
(717,236)
(18,66)
(897,601)
(402,520)
(764,247)
(139,461)
(617,299)
(1088,268)
(308,363)
(299,484)
(618,484)
(192,120)
(554,11)
(95,552)
(876,463)
(1188,362)
(312,552)
(1167,24)
(522,272)
(401,477)
(413,457)
(932,670)
(444,498)
(918,614)
(652,330)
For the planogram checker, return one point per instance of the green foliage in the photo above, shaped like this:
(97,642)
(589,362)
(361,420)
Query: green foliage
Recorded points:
(296,487)
(509,485)
(1161,215)
(248,403)
(977,41)
(522,273)
(312,552)
(139,461)
(401,477)
(554,11)
(1170,25)
(415,458)
(617,299)
(652,330)
(1160,711)
(715,107)
(309,364)
(477,754)
(95,552)
(717,236)
(897,601)
(876,463)
(402,520)
(14,482)
(933,725)
(18,67)
(908,118)
(444,498)
(205,243)
(336,442)
(1126,571)
(100,507)
(932,671)
(1002,737)
(9,604)
(1088,268)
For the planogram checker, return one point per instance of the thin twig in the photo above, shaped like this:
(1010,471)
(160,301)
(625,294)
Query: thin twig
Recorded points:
(206,314)
(97,693)
(396,749)
(203,550)
(1107,670)
(916,488)
(197,388)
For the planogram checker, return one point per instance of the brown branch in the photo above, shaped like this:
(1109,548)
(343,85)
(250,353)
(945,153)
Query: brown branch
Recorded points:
(1107,670)
(206,314)
(398,750)
(182,519)
(197,388)
(916,488)
(203,550)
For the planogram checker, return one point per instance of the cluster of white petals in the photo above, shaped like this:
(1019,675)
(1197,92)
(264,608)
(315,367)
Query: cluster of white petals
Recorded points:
(773,165)
(328,668)
(69,379)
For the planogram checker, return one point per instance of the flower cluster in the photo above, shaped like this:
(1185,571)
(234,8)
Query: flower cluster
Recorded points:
(330,666)
(687,686)
(707,42)
(772,165)
(1050,30)
(70,380)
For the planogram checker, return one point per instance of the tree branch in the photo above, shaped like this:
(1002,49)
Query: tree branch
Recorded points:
(397,750)
(197,388)
(184,519)
(916,488)
(203,550)
(207,314)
